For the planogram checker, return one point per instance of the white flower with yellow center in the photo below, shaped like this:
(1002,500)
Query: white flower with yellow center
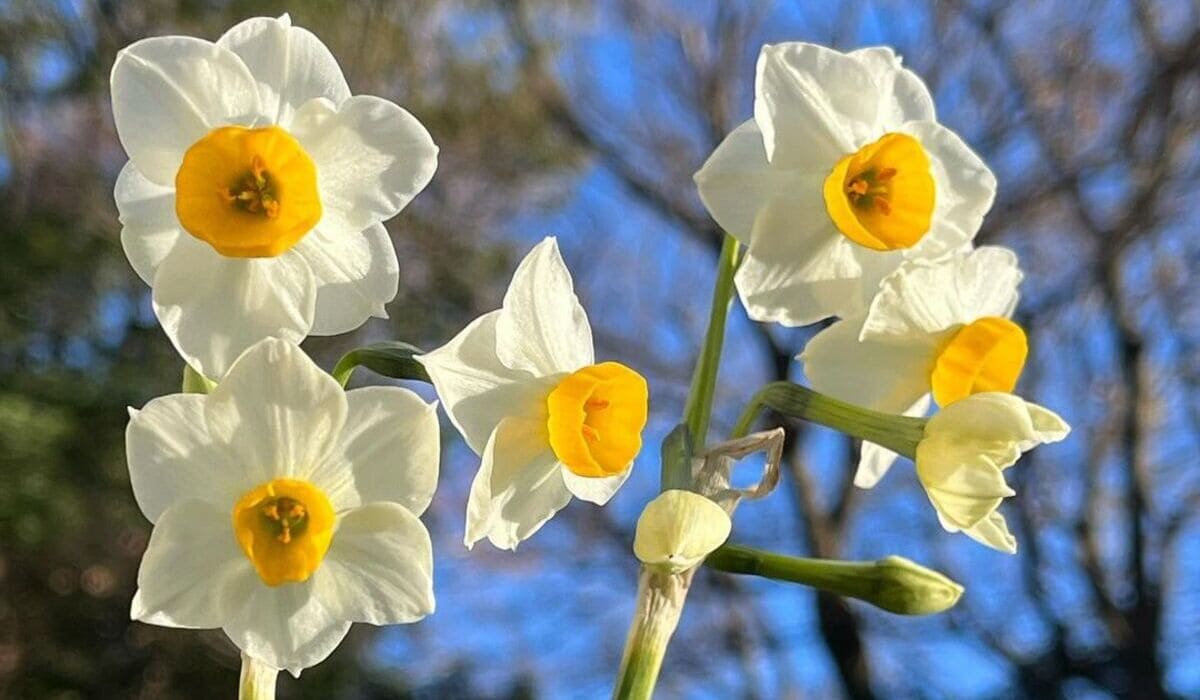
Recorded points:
(939,327)
(256,187)
(962,457)
(842,174)
(522,386)
(284,508)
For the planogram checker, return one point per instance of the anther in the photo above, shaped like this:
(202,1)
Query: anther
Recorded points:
(596,404)
(590,434)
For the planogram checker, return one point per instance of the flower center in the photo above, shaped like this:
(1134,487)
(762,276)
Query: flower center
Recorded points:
(882,197)
(596,416)
(249,193)
(284,527)
(987,355)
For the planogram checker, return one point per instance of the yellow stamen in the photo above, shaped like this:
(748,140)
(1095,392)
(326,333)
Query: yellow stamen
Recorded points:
(596,417)
(987,355)
(284,527)
(249,193)
(882,197)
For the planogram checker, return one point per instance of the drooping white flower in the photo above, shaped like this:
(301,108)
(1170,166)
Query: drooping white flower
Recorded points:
(678,529)
(284,508)
(961,458)
(256,187)
(521,386)
(937,326)
(841,175)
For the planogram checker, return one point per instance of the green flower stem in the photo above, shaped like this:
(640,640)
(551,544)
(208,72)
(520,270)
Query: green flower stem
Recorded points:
(901,434)
(698,409)
(257,681)
(893,583)
(659,604)
(393,359)
(196,383)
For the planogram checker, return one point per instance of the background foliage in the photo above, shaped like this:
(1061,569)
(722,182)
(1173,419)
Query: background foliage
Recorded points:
(587,120)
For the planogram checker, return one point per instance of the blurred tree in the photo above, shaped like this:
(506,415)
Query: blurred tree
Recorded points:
(588,119)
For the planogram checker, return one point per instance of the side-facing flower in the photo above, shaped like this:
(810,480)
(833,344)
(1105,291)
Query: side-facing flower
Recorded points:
(256,187)
(678,529)
(936,326)
(841,175)
(521,386)
(962,457)
(284,508)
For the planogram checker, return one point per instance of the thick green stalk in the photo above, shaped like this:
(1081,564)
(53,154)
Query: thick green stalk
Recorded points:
(897,433)
(659,604)
(698,409)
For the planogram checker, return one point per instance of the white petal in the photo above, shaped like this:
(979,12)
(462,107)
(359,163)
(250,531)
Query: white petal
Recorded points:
(518,488)
(372,157)
(813,104)
(965,186)
(379,568)
(149,228)
(1048,426)
(389,451)
(886,377)
(903,96)
(736,181)
(543,328)
(356,274)
(963,479)
(598,490)
(286,626)
(993,532)
(172,457)
(678,529)
(798,268)
(874,461)
(476,389)
(213,307)
(290,65)
(190,564)
(923,298)
(998,418)
(281,413)
(167,92)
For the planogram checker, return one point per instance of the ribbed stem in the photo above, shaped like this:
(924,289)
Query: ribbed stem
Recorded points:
(698,409)
(901,434)
(659,604)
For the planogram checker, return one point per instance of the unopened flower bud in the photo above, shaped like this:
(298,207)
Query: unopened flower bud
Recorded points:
(678,529)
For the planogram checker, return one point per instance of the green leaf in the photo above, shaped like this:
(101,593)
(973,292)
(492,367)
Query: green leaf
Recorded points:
(391,359)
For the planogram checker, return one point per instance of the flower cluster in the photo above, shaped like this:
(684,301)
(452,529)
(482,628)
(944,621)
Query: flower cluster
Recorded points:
(853,201)
(285,508)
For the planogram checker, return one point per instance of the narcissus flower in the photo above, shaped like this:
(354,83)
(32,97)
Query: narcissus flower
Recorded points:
(522,386)
(284,508)
(841,175)
(935,326)
(256,187)
(678,529)
(962,457)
